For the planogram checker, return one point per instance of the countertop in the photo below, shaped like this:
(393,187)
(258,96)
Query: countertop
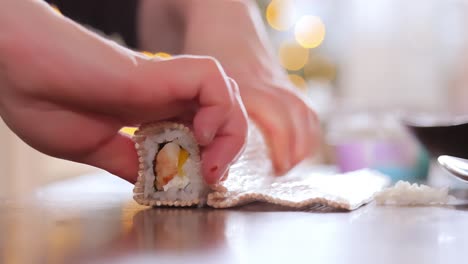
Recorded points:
(93,219)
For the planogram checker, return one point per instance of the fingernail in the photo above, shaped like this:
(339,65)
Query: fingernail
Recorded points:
(214,169)
(218,174)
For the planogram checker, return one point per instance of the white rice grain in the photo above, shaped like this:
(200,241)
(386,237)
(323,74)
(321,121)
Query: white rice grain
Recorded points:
(404,194)
(195,189)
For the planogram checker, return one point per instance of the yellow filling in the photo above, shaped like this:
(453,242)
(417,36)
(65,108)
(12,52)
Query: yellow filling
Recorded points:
(183,156)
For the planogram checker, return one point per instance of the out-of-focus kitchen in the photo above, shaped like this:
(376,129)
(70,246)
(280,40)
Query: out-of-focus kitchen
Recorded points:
(369,69)
(381,75)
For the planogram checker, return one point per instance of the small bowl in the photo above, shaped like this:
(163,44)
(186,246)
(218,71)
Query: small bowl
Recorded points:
(441,135)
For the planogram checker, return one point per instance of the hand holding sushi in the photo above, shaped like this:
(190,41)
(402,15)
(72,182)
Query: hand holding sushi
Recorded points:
(238,40)
(67,92)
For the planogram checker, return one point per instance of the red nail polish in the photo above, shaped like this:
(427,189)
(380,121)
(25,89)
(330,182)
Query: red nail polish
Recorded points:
(213,169)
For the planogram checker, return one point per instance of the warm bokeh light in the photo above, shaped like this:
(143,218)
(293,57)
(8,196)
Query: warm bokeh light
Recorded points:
(279,14)
(298,81)
(55,8)
(63,239)
(292,56)
(128,130)
(161,55)
(319,68)
(129,210)
(309,31)
(148,54)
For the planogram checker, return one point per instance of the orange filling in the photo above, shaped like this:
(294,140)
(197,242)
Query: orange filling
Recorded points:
(166,167)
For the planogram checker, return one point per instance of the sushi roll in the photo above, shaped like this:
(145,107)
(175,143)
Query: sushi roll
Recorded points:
(170,167)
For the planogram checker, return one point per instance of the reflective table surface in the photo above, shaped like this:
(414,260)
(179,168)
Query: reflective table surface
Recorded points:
(93,219)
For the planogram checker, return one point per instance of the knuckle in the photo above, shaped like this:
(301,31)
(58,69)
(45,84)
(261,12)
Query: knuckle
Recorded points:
(210,63)
(207,63)
(215,73)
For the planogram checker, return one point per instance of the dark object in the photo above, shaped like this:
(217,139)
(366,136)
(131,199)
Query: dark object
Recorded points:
(109,16)
(442,137)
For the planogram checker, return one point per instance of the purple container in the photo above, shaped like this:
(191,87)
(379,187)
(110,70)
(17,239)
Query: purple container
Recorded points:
(397,159)
(356,155)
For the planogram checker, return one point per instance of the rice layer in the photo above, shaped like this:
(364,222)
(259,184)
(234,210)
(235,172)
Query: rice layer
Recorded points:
(148,140)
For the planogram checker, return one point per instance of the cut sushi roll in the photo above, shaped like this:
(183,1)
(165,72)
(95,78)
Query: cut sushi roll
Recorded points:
(170,168)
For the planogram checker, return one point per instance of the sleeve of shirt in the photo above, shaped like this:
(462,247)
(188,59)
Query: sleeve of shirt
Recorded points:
(108,16)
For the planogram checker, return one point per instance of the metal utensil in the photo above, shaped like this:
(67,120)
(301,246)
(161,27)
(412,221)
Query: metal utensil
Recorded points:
(458,167)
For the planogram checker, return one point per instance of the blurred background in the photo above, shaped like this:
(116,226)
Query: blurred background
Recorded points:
(362,64)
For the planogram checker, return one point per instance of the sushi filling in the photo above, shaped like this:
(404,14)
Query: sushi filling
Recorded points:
(168,167)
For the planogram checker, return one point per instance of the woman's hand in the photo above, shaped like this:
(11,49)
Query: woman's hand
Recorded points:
(67,93)
(232,32)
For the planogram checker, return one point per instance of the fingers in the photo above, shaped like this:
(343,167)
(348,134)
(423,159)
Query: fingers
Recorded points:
(165,87)
(215,112)
(289,125)
(304,129)
(219,121)
(117,156)
(216,98)
(276,126)
(273,115)
(220,124)
(226,145)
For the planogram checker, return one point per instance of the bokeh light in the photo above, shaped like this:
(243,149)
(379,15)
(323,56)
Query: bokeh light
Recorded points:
(128,130)
(161,55)
(309,31)
(147,54)
(319,68)
(292,56)
(298,81)
(279,14)
(56,9)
